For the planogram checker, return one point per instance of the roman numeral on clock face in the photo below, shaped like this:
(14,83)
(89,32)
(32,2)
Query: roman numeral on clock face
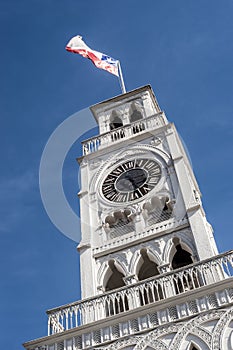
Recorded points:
(111,195)
(129,165)
(121,197)
(118,171)
(153,180)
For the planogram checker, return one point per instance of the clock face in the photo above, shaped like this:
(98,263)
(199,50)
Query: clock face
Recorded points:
(131,180)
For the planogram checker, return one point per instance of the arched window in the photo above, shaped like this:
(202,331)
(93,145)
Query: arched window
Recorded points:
(150,291)
(117,302)
(135,112)
(135,115)
(158,210)
(148,268)
(116,278)
(181,258)
(115,121)
(188,279)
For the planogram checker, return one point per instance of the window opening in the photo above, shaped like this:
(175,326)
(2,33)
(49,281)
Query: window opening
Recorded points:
(149,292)
(116,278)
(189,279)
(116,123)
(148,268)
(181,258)
(117,302)
(135,116)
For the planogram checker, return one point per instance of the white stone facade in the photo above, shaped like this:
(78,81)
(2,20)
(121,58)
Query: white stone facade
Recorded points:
(151,275)
(177,187)
(209,331)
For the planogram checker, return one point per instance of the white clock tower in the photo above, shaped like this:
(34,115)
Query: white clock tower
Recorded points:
(151,275)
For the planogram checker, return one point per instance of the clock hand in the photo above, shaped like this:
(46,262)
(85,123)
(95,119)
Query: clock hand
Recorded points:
(132,180)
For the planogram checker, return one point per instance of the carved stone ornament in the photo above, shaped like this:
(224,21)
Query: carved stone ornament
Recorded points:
(156,141)
(176,336)
(95,163)
(122,344)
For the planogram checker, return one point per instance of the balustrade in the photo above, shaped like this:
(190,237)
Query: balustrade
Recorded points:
(116,237)
(93,144)
(151,290)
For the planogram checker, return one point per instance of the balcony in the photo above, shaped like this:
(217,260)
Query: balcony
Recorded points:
(125,132)
(153,291)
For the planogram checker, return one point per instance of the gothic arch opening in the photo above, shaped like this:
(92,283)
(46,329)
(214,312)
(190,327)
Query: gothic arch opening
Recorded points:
(135,112)
(118,302)
(186,279)
(116,278)
(181,257)
(150,291)
(148,267)
(136,115)
(115,121)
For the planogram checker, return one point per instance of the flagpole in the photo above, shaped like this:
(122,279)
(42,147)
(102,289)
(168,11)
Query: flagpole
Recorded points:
(122,84)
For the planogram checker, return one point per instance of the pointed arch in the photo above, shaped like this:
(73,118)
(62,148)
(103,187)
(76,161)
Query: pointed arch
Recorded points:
(195,342)
(118,223)
(170,248)
(148,267)
(137,261)
(106,270)
(192,336)
(117,302)
(115,121)
(158,208)
(115,278)
(135,112)
(181,257)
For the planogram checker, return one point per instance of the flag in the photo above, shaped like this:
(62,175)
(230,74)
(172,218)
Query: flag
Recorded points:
(100,60)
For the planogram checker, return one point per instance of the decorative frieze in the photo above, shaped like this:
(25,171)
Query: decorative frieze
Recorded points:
(133,237)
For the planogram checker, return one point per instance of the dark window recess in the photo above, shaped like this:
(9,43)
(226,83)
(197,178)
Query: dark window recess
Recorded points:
(116,123)
(181,258)
(136,115)
(117,303)
(151,292)
(116,278)
(148,268)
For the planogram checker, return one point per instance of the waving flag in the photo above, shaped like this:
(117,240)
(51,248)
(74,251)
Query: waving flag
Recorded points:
(100,60)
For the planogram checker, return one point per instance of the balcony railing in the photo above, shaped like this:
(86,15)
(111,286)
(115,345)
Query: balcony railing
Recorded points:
(125,132)
(128,238)
(149,291)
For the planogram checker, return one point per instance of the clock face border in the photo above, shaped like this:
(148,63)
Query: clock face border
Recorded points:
(131,180)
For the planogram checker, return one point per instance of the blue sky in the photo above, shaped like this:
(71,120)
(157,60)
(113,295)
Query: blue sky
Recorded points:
(183,48)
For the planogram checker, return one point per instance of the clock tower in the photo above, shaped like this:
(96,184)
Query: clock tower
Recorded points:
(151,275)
